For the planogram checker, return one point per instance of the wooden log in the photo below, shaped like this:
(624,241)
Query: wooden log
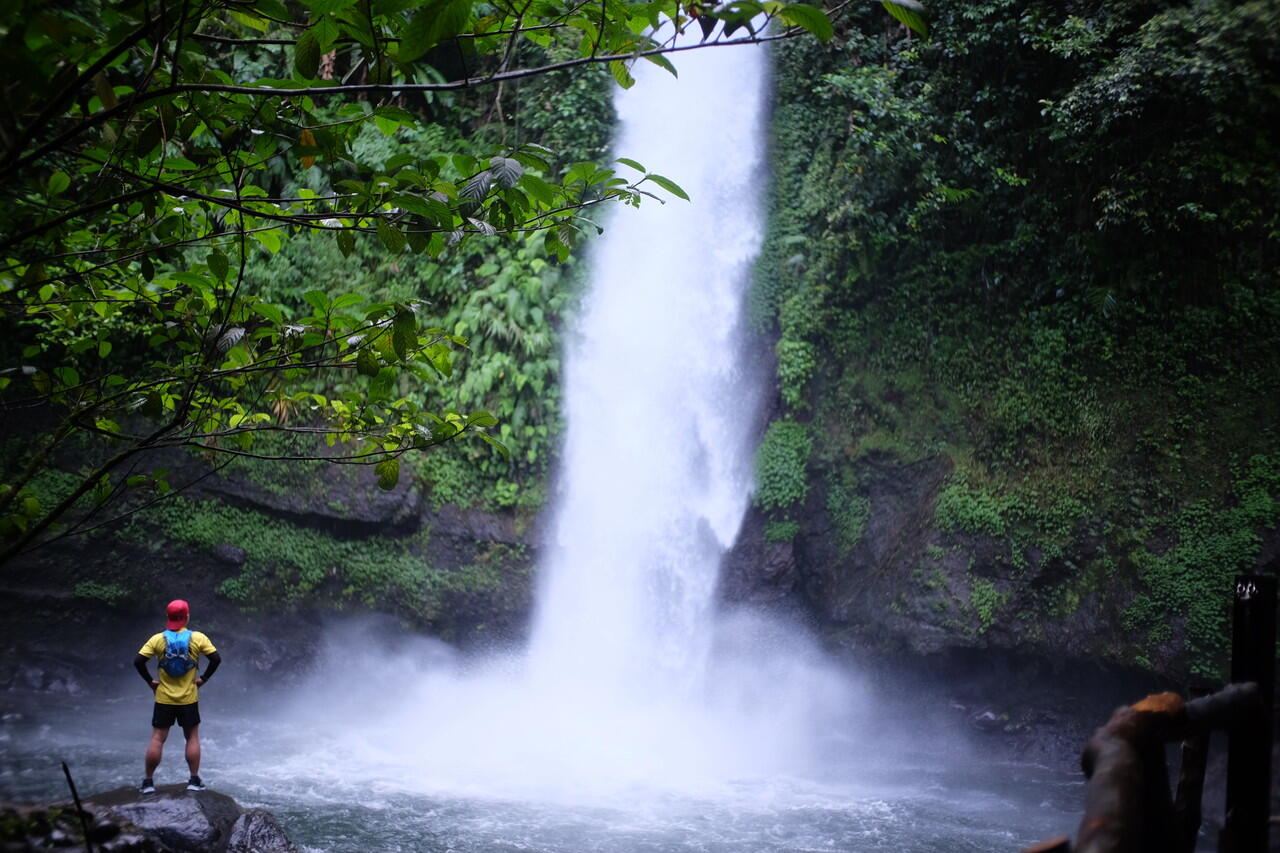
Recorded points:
(1113,799)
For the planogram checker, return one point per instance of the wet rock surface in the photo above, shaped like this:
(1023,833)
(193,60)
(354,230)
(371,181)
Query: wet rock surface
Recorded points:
(175,819)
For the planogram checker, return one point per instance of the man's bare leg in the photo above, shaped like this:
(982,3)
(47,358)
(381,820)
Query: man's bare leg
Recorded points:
(193,748)
(155,749)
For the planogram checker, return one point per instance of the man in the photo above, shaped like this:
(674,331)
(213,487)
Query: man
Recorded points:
(177,699)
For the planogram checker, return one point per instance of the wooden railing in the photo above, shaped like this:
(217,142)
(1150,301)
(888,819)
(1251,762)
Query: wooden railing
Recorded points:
(1128,804)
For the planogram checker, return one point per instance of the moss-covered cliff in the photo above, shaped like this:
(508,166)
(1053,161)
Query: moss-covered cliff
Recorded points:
(1022,279)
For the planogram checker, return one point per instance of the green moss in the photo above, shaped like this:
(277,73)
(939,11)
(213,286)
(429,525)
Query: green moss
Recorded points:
(986,601)
(962,507)
(781,531)
(848,511)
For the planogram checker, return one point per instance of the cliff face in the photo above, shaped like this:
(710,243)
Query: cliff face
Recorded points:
(1024,364)
(263,554)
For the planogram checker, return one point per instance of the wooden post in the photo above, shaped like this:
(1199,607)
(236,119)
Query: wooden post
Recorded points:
(1253,658)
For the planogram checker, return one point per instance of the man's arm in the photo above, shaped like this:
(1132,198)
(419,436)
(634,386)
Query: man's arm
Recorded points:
(140,664)
(215,661)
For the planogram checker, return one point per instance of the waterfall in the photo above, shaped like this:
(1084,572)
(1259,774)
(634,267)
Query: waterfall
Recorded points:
(656,468)
(633,681)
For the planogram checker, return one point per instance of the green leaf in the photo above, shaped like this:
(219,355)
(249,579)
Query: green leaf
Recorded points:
(306,55)
(271,312)
(391,236)
(538,188)
(367,362)
(218,264)
(908,12)
(404,333)
(326,32)
(346,242)
(481,419)
(662,62)
(668,185)
(346,300)
(58,182)
(318,300)
(432,24)
(388,471)
(505,171)
(809,18)
(620,73)
(627,161)
(497,445)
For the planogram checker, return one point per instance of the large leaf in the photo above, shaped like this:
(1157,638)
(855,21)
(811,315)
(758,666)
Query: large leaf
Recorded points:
(668,185)
(432,24)
(388,471)
(306,55)
(908,12)
(505,171)
(810,18)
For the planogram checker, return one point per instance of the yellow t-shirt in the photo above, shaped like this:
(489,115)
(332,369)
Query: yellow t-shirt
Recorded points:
(177,690)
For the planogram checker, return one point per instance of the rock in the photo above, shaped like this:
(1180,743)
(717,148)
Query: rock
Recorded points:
(988,721)
(26,829)
(258,831)
(182,821)
(755,569)
(232,555)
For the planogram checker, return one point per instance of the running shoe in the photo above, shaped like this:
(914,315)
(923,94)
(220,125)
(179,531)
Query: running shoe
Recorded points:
(147,786)
(194,784)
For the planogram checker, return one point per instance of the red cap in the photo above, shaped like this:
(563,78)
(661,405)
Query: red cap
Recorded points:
(178,613)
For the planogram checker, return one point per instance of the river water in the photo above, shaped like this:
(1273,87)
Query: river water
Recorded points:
(642,716)
(347,774)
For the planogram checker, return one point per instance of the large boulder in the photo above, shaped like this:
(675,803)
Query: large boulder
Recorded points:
(185,821)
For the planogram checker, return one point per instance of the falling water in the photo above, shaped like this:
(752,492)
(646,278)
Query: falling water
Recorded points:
(632,681)
(656,472)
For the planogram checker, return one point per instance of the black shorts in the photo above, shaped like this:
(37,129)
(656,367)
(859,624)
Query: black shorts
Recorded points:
(164,716)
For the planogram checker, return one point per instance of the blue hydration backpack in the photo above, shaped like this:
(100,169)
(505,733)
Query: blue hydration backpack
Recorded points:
(177,653)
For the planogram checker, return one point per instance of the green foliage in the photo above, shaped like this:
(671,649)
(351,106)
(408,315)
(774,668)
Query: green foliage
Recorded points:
(781,480)
(847,510)
(1028,245)
(781,531)
(287,563)
(108,593)
(1190,580)
(157,159)
(986,602)
(961,507)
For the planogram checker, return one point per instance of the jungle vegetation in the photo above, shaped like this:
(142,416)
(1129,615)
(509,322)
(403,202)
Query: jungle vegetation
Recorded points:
(191,187)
